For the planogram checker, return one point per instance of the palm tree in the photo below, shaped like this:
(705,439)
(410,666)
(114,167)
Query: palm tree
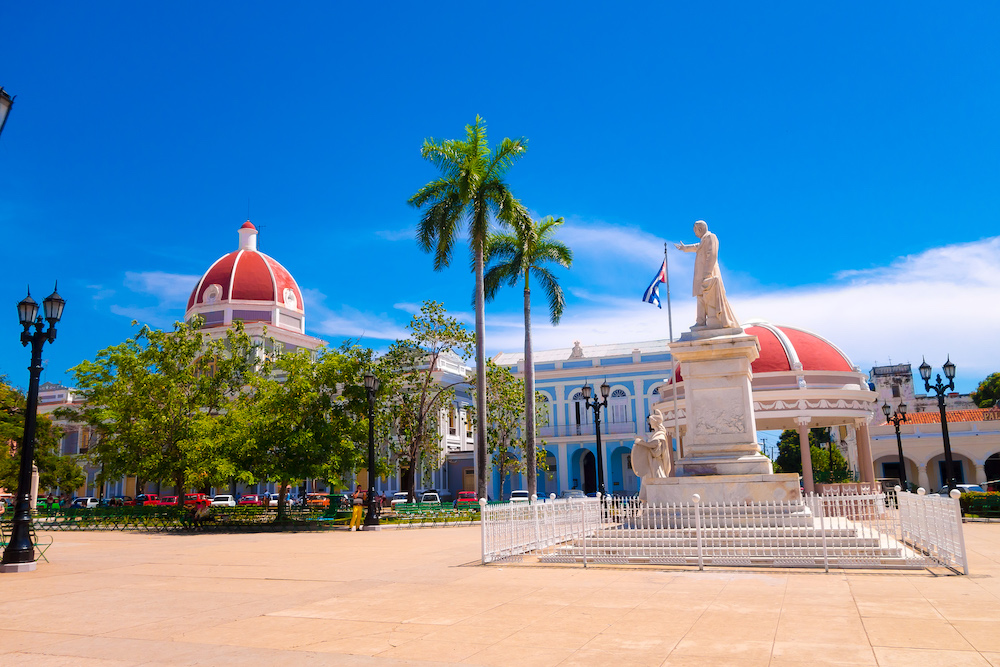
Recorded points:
(521,255)
(471,190)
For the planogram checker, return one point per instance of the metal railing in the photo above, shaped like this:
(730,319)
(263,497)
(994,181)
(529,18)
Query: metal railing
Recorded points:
(586,430)
(863,530)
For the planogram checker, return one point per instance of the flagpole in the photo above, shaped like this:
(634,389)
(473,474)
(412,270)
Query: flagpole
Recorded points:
(673,362)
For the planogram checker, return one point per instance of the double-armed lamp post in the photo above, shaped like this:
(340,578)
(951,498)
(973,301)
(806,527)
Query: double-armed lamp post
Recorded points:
(896,418)
(941,389)
(596,406)
(19,556)
(371,388)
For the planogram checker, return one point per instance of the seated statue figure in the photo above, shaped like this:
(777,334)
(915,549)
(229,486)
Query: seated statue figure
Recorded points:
(651,458)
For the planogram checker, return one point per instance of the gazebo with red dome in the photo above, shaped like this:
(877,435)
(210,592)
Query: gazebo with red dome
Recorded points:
(800,381)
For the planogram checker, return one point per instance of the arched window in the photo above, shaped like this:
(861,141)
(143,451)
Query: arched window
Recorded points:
(579,414)
(618,406)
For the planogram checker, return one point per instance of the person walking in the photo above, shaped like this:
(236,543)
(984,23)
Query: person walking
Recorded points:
(358,506)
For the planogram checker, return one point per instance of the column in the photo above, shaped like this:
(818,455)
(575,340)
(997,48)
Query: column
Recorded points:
(806,454)
(865,453)
(922,479)
(562,466)
(981,475)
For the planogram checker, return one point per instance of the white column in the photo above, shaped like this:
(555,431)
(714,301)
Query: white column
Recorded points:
(562,463)
(981,475)
(805,454)
(922,479)
(865,453)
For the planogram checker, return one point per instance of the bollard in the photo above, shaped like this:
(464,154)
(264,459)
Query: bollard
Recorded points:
(696,499)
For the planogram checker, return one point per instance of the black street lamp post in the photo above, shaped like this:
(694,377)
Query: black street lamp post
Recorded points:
(19,556)
(896,418)
(596,405)
(940,389)
(371,387)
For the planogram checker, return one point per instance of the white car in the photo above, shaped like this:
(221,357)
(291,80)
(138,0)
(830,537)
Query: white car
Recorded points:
(399,498)
(85,503)
(963,488)
(223,501)
(519,496)
(430,498)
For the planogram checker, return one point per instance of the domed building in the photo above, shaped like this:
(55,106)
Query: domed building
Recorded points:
(248,285)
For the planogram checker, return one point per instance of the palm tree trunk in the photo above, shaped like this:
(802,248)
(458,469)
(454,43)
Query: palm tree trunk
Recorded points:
(481,415)
(530,456)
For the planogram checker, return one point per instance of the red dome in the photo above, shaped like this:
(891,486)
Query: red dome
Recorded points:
(247,275)
(782,346)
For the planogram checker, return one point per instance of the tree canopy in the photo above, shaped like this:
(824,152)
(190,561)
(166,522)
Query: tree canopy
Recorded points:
(987,394)
(413,391)
(790,455)
(54,471)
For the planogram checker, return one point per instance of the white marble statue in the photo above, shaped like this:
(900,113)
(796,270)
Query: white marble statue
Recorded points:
(651,458)
(713,308)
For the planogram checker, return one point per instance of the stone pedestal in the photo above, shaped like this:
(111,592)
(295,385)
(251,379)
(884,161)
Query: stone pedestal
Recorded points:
(729,489)
(721,436)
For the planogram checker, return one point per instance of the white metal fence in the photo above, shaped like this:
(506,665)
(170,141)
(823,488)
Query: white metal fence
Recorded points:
(859,530)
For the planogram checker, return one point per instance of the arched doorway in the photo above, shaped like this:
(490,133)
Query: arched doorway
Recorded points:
(546,480)
(620,470)
(588,472)
(992,467)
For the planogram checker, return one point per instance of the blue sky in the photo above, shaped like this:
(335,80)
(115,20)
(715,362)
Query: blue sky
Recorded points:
(844,154)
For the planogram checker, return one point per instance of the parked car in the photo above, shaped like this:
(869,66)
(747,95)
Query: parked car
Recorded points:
(571,494)
(196,499)
(251,499)
(147,500)
(466,500)
(167,500)
(223,501)
(398,498)
(430,498)
(963,488)
(317,500)
(118,501)
(86,503)
(520,496)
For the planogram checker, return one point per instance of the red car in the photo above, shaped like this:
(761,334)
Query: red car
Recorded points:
(251,499)
(466,500)
(147,500)
(167,500)
(197,499)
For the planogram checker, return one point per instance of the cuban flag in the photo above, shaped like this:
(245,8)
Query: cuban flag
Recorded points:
(652,294)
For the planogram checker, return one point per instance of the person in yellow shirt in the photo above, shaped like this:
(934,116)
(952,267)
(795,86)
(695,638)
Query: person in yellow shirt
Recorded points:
(358,502)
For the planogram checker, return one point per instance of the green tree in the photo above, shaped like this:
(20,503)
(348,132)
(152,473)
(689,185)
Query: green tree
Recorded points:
(505,417)
(471,190)
(300,420)
(820,449)
(416,396)
(987,393)
(523,254)
(153,401)
(61,473)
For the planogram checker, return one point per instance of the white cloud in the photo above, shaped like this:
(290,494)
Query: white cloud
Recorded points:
(348,321)
(169,288)
(939,302)
(407,234)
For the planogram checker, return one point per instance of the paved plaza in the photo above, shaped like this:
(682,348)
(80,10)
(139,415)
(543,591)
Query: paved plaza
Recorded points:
(419,596)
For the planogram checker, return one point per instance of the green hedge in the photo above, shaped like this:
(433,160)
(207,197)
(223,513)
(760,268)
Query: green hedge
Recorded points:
(980,504)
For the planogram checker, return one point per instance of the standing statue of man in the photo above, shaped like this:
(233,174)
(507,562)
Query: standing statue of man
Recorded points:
(713,308)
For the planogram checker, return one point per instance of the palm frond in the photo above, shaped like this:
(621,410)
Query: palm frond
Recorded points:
(497,276)
(554,293)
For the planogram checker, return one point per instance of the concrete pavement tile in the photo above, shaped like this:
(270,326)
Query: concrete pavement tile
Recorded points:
(423,649)
(130,650)
(822,606)
(370,645)
(543,637)
(994,658)
(914,633)
(477,634)
(736,627)
(504,656)
(793,651)
(907,657)
(716,651)
(22,659)
(895,609)
(588,657)
(959,611)
(12,641)
(265,632)
(983,635)
(819,629)
(651,643)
